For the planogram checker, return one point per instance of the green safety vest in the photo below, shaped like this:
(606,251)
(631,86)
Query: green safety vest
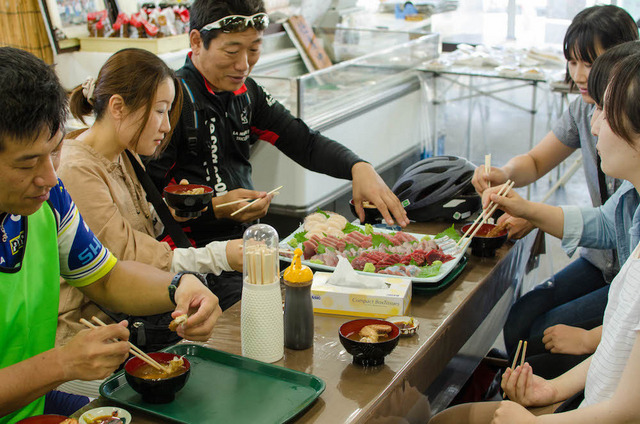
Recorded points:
(30,295)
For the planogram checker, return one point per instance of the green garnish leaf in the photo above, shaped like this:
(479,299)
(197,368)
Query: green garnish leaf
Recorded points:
(321,248)
(301,237)
(430,270)
(348,246)
(349,228)
(449,232)
(322,212)
(378,239)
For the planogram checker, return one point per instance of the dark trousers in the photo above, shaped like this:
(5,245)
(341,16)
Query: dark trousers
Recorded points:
(576,296)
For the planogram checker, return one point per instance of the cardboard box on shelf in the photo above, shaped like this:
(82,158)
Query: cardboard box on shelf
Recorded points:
(154,45)
(377,303)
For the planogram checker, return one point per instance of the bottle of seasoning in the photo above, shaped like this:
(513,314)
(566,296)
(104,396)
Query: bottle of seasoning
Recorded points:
(298,310)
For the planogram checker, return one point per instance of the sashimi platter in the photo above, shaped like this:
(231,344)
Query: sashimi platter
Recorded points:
(325,236)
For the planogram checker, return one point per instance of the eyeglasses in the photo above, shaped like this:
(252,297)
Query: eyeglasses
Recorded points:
(239,23)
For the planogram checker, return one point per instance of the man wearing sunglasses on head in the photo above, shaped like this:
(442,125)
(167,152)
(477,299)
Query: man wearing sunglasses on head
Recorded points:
(226,112)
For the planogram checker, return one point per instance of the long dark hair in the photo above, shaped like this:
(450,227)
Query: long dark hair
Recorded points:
(597,27)
(604,65)
(135,75)
(621,105)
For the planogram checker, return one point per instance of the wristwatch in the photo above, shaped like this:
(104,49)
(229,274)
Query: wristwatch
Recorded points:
(175,282)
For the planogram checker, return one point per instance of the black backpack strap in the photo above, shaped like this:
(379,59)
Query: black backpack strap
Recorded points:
(190,119)
(175,231)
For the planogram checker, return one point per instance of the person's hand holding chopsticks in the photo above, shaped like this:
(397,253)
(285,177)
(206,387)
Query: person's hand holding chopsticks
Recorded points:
(521,385)
(482,179)
(92,354)
(258,201)
(512,203)
(549,219)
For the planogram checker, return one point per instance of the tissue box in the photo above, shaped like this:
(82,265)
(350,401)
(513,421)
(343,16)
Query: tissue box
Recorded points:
(377,303)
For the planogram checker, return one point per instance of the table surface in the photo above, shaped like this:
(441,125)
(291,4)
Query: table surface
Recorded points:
(356,394)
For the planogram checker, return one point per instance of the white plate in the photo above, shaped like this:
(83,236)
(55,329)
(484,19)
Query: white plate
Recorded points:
(444,269)
(94,413)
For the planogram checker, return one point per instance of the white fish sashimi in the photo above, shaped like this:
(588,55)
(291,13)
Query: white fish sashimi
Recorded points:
(337,220)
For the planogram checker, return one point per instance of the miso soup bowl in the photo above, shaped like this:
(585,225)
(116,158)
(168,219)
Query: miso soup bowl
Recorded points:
(484,246)
(187,205)
(368,354)
(156,391)
(371,214)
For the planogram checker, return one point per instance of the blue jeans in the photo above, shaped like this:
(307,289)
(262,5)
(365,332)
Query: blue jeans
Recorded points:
(576,296)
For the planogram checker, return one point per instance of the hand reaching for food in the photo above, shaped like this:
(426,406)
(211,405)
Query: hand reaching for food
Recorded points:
(368,186)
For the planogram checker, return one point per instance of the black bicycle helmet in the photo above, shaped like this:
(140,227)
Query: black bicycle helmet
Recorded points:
(438,188)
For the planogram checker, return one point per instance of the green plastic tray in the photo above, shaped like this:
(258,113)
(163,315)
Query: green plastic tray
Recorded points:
(434,288)
(226,388)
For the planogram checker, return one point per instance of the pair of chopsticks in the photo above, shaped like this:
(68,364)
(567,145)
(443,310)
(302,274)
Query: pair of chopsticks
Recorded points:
(133,349)
(484,216)
(274,192)
(515,358)
(487,167)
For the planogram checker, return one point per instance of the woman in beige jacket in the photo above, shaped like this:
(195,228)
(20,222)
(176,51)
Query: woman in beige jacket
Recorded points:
(136,100)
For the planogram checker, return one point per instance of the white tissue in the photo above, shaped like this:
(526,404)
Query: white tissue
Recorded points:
(345,276)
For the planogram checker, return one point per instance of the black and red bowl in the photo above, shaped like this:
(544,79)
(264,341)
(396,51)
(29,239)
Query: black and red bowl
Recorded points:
(187,205)
(484,246)
(367,354)
(371,214)
(161,390)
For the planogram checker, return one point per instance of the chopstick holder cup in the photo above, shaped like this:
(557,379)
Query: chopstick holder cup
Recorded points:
(261,316)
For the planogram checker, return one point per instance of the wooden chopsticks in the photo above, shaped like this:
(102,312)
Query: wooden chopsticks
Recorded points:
(515,358)
(487,167)
(484,216)
(274,191)
(133,349)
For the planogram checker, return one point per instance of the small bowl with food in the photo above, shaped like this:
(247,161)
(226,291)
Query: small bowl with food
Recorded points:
(154,385)
(188,200)
(487,240)
(371,214)
(369,340)
(106,415)
(407,325)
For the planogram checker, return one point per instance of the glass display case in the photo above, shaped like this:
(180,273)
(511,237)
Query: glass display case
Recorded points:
(372,102)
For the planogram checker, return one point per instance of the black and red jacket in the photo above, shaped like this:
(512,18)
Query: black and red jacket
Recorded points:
(212,145)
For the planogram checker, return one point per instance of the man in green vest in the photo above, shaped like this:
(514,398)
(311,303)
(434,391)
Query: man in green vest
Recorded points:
(43,238)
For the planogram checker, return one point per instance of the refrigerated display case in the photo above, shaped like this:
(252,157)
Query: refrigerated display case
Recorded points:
(372,103)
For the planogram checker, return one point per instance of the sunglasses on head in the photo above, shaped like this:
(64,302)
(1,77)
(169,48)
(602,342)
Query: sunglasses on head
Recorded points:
(239,23)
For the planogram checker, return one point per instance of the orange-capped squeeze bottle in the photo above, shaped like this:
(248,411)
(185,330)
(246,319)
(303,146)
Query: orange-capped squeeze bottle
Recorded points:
(298,310)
